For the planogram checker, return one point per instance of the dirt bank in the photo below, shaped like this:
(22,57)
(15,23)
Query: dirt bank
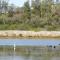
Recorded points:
(39,34)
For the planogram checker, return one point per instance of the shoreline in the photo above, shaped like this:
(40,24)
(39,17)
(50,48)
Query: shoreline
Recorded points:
(29,34)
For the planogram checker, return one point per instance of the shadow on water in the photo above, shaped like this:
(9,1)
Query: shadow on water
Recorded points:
(29,53)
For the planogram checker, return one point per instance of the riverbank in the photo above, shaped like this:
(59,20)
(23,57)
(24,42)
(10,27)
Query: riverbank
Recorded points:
(29,34)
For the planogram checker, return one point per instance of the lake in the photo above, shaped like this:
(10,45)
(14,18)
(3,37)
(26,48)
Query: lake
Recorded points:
(29,49)
(29,42)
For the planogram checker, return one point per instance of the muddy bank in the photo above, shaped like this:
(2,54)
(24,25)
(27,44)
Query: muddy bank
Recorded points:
(32,34)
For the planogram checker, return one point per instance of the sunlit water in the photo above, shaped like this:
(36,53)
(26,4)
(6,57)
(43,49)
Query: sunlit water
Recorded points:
(11,53)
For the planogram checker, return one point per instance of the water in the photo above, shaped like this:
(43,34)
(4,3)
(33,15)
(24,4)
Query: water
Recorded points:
(30,57)
(29,49)
(30,42)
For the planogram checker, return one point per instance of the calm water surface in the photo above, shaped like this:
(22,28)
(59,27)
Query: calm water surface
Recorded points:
(27,42)
(35,42)
(28,58)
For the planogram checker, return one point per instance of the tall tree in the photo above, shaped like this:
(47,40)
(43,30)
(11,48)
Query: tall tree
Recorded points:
(0,6)
(11,11)
(27,10)
(36,5)
(5,6)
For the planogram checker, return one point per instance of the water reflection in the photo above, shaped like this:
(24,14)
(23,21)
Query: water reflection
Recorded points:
(29,53)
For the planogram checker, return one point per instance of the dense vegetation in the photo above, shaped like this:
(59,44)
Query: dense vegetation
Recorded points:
(42,16)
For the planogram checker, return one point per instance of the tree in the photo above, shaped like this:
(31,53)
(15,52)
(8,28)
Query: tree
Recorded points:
(3,6)
(18,10)
(0,6)
(27,10)
(11,11)
(36,4)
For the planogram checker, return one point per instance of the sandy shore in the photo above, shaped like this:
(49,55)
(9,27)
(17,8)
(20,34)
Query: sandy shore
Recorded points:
(39,34)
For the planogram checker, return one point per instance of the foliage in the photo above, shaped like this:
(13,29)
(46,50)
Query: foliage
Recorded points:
(44,16)
(27,10)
